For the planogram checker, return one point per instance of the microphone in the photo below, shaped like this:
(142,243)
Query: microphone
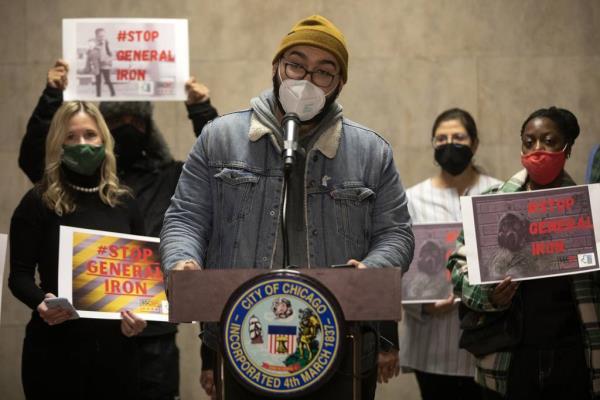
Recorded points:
(291,126)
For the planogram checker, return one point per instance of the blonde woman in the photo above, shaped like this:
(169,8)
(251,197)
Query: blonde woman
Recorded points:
(65,358)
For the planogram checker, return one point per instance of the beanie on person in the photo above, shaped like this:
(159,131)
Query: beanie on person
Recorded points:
(317,31)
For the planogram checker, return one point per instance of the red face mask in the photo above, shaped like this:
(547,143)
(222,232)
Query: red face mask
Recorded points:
(544,166)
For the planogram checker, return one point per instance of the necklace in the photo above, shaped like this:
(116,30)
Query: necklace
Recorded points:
(84,189)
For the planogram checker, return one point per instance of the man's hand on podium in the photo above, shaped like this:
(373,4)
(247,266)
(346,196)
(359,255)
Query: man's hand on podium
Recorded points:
(186,265)
(388,365)
(357,264)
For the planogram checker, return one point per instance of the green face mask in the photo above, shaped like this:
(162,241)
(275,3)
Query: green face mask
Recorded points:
(83,158)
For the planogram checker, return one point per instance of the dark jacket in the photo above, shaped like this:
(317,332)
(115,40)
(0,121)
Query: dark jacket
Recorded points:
(153,178)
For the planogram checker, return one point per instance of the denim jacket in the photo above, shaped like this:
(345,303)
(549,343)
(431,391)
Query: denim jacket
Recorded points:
(225,210)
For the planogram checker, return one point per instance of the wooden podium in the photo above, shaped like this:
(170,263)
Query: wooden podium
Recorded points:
(371,294)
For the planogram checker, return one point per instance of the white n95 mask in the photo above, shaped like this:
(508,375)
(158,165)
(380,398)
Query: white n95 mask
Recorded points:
(302,98)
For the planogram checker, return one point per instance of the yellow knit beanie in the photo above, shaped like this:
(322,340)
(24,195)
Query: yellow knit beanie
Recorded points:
(317,31)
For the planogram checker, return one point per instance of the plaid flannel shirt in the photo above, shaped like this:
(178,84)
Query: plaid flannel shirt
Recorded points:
(492,369)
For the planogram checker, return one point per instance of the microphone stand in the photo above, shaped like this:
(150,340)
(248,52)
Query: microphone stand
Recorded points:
(291,126)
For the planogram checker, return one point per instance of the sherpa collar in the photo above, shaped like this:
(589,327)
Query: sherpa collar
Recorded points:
(327,143)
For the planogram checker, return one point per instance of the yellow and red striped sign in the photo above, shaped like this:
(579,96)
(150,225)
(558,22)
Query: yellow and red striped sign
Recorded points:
(115,273)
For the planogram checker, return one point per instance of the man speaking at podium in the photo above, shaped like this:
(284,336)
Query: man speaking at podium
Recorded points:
(344,205)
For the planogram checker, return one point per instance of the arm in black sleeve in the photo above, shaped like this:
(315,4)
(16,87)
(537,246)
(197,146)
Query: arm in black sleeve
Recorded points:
(33,146)
(25,239)
(138,226)
(201,114)
(388,336)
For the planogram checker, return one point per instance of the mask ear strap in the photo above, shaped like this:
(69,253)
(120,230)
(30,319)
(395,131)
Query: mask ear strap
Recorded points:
(332,90)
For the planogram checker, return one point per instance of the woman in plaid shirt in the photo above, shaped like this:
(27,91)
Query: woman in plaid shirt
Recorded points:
(558,354)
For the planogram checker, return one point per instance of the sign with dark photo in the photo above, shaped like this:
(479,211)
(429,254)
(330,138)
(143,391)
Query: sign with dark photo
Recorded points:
(427,279)
(530,235)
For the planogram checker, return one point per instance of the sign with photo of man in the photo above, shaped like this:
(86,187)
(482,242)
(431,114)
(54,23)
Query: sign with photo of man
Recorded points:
(535,234)
(126,59)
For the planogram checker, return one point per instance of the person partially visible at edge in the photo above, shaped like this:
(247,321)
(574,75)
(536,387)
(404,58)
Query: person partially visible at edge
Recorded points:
(145,164)
(63,358)
(345,166)
(556,355)
(429,340)
(592,173)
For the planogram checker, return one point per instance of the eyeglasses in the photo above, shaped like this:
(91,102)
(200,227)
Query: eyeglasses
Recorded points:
(440,140)
(318,76)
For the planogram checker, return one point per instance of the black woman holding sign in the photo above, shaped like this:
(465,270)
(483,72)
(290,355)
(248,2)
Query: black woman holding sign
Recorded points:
(64,358)
(547,348)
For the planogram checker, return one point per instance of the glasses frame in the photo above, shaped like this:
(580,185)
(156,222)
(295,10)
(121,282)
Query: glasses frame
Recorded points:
(454,138)
(287,63)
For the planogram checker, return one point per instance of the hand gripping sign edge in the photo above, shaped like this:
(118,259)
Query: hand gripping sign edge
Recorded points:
(303,342)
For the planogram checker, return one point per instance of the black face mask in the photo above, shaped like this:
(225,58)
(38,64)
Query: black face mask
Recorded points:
(453,158)
(129,145)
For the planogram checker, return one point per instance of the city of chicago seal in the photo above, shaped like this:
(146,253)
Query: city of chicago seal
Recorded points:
(304,329)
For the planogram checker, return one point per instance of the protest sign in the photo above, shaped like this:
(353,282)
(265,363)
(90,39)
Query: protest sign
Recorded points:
(103,273)
(533,234)
(427,279)
(126,59)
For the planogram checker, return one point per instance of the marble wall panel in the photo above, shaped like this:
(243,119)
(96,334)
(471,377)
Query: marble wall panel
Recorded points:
(391,29)
(13,32)
(510,88)
(189,361)
(401,97)
(16,97)
(244,30)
